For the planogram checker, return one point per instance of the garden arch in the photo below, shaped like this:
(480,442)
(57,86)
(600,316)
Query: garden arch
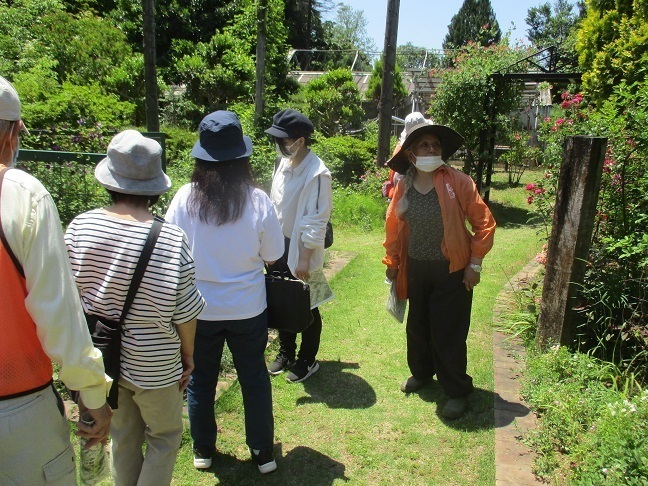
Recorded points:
(548,63)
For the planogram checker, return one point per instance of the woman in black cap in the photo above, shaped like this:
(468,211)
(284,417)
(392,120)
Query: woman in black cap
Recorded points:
(233,230)
(435,260)
(301,193)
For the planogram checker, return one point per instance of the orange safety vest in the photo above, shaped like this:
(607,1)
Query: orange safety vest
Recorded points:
(24,366)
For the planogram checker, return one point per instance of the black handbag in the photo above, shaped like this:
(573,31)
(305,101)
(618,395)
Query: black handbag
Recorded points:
(288,302)
(105,333)
(328,237)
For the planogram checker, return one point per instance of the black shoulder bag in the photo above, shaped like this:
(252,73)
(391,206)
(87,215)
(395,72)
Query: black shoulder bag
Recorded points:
(106,334)
(328,237)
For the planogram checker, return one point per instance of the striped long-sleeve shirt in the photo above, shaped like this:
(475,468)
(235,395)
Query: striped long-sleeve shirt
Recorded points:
(104,251)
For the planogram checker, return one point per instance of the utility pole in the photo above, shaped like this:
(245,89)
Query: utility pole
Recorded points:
(386,103)
(150,70)
(262,24)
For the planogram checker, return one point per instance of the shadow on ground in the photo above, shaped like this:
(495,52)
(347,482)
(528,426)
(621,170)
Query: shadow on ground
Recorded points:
(479,415)
(302,465)
(331,385)
(509,216)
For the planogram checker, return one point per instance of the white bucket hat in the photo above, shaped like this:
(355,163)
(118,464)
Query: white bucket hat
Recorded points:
(133,166)
(9,101)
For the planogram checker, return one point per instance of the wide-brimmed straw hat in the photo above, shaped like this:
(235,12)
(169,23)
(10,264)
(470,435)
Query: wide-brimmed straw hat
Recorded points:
(450,143)
(133,165)
(220,138)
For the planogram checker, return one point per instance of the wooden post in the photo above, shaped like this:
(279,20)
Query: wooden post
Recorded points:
(259,98)
(150,70)
(571,233)
(385,105)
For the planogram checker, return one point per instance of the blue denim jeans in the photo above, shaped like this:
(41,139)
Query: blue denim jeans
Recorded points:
(246,339)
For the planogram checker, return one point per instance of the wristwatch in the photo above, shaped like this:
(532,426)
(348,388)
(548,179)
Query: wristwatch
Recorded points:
(476,268)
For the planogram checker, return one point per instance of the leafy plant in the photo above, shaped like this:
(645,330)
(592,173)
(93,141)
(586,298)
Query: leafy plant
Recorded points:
(332,102)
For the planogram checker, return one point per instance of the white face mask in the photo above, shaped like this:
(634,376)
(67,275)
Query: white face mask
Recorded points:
(286,151)
(429,163)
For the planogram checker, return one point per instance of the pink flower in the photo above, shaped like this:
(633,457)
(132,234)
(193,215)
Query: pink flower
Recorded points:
(560,121)
(565,95)
(530,199)
(547,120)
(540,191)
(565,104)
(530,187)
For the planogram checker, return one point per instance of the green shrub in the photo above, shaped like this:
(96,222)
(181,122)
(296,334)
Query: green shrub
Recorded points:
(347,157)
(332,102)
(363,211)
(592,427)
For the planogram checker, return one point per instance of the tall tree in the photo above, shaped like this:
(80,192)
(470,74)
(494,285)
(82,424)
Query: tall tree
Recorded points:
(303,20)
(475,22)
(549,26)
(556,27)
(349,30)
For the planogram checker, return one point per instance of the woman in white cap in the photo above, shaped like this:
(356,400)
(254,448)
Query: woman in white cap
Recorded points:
(157,342)
(435,260)
(233,231)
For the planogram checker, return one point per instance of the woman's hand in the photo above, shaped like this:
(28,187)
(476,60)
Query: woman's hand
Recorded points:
(187,369)
(391,273)
(471,278)
(302,272)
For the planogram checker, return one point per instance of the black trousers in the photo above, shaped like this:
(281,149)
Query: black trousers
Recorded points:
(310,338)
(437,325)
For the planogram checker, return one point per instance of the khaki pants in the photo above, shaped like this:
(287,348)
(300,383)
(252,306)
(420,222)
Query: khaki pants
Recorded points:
(151,416)
(35,442)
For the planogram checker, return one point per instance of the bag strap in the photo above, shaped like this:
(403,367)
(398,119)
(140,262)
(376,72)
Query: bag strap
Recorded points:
(144,258)
(13,257)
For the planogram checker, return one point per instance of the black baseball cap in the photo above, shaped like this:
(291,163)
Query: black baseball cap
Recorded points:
(290,123)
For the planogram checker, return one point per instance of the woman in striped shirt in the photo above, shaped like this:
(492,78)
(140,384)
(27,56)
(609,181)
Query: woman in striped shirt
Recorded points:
(104,246)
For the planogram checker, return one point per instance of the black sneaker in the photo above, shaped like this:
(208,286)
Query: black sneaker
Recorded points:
(280,363)
(264,459)
(202,458)
(301,370)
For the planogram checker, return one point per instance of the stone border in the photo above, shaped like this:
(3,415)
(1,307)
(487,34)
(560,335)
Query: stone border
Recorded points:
(513,418)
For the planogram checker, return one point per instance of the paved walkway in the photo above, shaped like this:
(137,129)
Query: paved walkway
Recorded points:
(513,460)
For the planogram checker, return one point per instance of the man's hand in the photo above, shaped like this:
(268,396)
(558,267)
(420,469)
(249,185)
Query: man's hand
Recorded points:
(99,431)
(187,369)
(391,273)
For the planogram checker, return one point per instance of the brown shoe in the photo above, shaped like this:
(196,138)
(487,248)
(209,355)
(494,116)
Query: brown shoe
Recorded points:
(412,384)
(455,408)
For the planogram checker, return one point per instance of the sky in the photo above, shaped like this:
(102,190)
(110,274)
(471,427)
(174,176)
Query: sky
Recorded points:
(424,23)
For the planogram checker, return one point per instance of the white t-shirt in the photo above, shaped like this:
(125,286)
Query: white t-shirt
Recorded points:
(230,257)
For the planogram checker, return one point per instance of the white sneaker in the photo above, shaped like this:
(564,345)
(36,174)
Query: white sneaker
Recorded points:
(202,460)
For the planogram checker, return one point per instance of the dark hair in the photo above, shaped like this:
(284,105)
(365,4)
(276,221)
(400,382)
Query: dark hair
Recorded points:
(133,199)
(220,190)
(307,142)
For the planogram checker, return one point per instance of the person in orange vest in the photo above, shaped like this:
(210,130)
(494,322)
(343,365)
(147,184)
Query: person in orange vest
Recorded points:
(41,320)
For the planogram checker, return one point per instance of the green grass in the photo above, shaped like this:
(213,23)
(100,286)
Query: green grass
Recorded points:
(350,422)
